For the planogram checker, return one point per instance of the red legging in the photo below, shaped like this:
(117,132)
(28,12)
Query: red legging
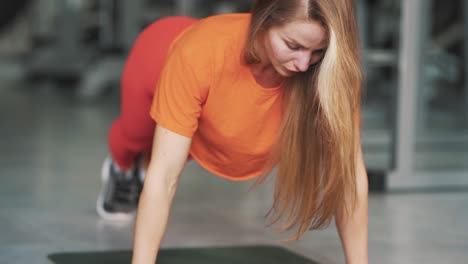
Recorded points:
(132,132)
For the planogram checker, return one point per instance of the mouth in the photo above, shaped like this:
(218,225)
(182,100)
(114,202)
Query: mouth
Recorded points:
(289,72)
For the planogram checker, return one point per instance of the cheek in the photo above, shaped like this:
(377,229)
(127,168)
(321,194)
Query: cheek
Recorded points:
(280,53)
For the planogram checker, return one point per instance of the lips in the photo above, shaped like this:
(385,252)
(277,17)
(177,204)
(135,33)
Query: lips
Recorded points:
(291,71)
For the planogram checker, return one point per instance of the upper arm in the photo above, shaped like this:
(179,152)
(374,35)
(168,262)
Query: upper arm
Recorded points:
(169,154)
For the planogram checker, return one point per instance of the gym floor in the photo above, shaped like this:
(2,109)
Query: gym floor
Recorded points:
(52,147)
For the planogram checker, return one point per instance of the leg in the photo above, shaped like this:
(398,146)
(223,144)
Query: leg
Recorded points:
(132,133)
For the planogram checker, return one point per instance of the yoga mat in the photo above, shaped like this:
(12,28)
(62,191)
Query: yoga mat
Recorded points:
(207,255)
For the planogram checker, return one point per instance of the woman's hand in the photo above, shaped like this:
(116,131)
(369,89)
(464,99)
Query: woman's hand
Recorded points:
(169,156)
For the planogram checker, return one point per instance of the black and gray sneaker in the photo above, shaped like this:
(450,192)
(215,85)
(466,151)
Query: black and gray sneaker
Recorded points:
(120,192)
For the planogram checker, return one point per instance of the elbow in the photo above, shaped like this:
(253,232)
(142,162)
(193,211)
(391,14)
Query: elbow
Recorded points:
(158,182)
(170,184)
(362,182)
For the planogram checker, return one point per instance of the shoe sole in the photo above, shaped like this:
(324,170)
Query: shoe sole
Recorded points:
(100,201)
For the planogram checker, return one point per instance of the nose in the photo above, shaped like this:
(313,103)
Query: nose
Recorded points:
(302,62)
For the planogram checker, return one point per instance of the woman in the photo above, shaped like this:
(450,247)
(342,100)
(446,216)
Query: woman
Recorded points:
(243,94)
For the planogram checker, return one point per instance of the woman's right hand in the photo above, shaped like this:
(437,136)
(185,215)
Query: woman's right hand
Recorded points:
(169,155)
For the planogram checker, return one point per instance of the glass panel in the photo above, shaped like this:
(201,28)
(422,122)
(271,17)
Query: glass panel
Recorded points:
(442,115)
(379,24)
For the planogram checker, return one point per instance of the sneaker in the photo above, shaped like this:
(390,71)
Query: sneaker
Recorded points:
(120,192)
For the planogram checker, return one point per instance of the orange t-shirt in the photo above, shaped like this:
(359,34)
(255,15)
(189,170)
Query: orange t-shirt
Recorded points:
(206,93)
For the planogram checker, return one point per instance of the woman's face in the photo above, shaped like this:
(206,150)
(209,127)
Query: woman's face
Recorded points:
(293,47)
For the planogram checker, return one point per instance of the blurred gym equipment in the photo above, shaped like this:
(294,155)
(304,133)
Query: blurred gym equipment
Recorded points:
(10,10)
(415,105)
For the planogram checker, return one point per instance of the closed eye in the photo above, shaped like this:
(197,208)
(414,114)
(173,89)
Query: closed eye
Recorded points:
(318,52)
(292,46)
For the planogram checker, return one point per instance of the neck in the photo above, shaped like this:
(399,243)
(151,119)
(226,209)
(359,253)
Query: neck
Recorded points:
(266,75)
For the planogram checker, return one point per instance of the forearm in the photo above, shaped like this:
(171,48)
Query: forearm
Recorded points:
(353,227)
(151,221)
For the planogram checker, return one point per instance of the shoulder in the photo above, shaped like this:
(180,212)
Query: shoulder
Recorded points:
(213,33)
(209,45)
(225,22)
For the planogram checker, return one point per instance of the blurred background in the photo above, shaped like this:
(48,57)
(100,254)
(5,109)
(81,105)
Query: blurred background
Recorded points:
(60,66)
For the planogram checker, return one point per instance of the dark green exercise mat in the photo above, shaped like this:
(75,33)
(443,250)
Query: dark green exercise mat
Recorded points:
(216,255)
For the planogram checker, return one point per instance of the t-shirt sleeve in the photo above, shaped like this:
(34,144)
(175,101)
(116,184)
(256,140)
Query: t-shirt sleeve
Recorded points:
(180,93)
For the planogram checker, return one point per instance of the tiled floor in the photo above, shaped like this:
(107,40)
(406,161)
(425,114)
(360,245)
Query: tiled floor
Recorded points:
(51,151)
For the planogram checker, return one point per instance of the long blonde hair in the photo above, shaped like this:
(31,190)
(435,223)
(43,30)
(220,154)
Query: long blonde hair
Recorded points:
(315,155)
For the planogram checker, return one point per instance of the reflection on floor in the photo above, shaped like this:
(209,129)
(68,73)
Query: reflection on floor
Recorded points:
(52,148)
